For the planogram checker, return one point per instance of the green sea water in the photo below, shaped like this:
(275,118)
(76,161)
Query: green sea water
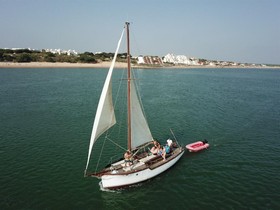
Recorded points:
(46,117)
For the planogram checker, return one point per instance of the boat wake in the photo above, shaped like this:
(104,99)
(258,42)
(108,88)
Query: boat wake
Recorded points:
(107,190)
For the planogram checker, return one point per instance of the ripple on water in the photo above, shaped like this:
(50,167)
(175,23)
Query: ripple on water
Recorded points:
(47,119)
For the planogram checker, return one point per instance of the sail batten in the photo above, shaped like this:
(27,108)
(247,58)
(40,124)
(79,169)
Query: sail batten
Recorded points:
(105,115)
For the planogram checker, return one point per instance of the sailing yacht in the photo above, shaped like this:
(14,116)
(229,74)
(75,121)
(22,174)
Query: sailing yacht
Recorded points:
(143,165)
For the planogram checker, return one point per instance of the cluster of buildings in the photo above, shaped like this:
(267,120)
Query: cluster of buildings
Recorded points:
(150,60)
(60,51)
(168,59)
(181,60)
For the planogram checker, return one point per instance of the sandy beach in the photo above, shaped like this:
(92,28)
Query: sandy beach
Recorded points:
(59,65)
(107,65)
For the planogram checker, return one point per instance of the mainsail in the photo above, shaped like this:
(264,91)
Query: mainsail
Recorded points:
(105,115)
(140,132)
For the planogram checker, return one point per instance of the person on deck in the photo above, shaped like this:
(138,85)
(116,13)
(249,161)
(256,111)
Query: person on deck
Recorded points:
(155,148)
(161,152)
(128,159)
(167,148)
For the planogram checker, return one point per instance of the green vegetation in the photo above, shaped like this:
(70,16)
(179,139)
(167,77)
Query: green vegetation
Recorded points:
(26,55)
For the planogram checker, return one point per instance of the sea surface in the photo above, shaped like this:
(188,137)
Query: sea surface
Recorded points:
(46,118)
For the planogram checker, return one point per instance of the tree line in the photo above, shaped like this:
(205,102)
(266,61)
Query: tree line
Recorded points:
(26,55)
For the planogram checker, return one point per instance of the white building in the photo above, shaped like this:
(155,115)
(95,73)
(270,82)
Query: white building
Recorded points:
(141,60)
(59,51)
(151,60)
(180,59)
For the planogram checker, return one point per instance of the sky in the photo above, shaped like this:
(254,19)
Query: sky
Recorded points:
(246,31)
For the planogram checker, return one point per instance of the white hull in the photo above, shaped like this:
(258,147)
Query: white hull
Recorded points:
(117,181)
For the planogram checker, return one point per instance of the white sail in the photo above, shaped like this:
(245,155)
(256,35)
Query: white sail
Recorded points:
(105,115)
(140,132)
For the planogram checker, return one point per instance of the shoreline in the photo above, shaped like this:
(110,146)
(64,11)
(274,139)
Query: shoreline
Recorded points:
(59,65)
(117,65)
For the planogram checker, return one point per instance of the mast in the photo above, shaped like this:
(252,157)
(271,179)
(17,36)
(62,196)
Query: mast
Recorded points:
(128,90)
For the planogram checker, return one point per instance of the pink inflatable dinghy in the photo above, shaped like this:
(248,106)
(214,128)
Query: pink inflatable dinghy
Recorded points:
(197,146)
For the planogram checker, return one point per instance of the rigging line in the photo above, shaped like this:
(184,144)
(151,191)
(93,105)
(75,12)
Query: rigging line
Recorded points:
(117,97)
(174,136)
(136,48)
(116,144)
(138,93)
(134,74)
(136,152)
(108,132)
(100,154)
(118,91)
